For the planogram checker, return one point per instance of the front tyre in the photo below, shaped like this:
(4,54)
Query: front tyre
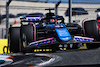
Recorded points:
(26,36)
(91,30)
(14,35)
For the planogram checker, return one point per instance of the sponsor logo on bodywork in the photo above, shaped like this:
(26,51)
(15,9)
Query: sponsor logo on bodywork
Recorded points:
(79,38)
(44,41)
(34,18)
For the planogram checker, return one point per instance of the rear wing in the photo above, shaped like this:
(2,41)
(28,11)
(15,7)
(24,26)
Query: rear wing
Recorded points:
(31,19)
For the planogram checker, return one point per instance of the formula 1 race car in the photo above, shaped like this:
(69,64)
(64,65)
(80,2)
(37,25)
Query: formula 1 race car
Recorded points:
(33,34)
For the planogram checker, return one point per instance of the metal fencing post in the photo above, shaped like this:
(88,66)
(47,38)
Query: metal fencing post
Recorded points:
(56,8)
(2,34)
(7,17)
(70,11)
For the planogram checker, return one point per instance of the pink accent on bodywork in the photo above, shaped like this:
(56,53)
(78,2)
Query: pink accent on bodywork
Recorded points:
(34,30)
(83,25)
(43,40)
(84,38)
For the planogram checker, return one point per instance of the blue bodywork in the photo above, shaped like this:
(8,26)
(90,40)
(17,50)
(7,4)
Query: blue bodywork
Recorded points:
(63,34)
(61,31)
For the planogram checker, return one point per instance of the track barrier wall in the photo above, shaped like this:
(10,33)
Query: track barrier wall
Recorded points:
(4,46)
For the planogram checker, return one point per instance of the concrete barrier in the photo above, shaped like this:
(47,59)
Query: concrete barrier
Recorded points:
(3,46)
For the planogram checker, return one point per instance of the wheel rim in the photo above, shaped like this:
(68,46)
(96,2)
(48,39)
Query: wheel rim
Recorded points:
(24,41)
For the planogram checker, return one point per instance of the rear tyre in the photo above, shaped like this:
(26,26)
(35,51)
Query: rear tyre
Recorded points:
(26,34)
(14,35)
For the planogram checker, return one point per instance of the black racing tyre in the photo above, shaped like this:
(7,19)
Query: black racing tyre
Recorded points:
(91,29)
(26,36)
(14,35)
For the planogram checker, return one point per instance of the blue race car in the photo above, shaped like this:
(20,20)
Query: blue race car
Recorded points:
(35,34)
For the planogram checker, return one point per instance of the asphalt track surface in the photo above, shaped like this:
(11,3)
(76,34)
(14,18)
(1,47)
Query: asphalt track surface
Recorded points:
(27,60)
(79,58)
(69,58)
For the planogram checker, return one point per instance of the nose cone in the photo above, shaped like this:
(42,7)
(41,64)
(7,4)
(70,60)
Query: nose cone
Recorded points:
(63,34)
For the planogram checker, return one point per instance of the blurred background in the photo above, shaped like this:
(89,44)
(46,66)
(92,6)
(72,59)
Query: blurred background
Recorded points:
(81,9)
